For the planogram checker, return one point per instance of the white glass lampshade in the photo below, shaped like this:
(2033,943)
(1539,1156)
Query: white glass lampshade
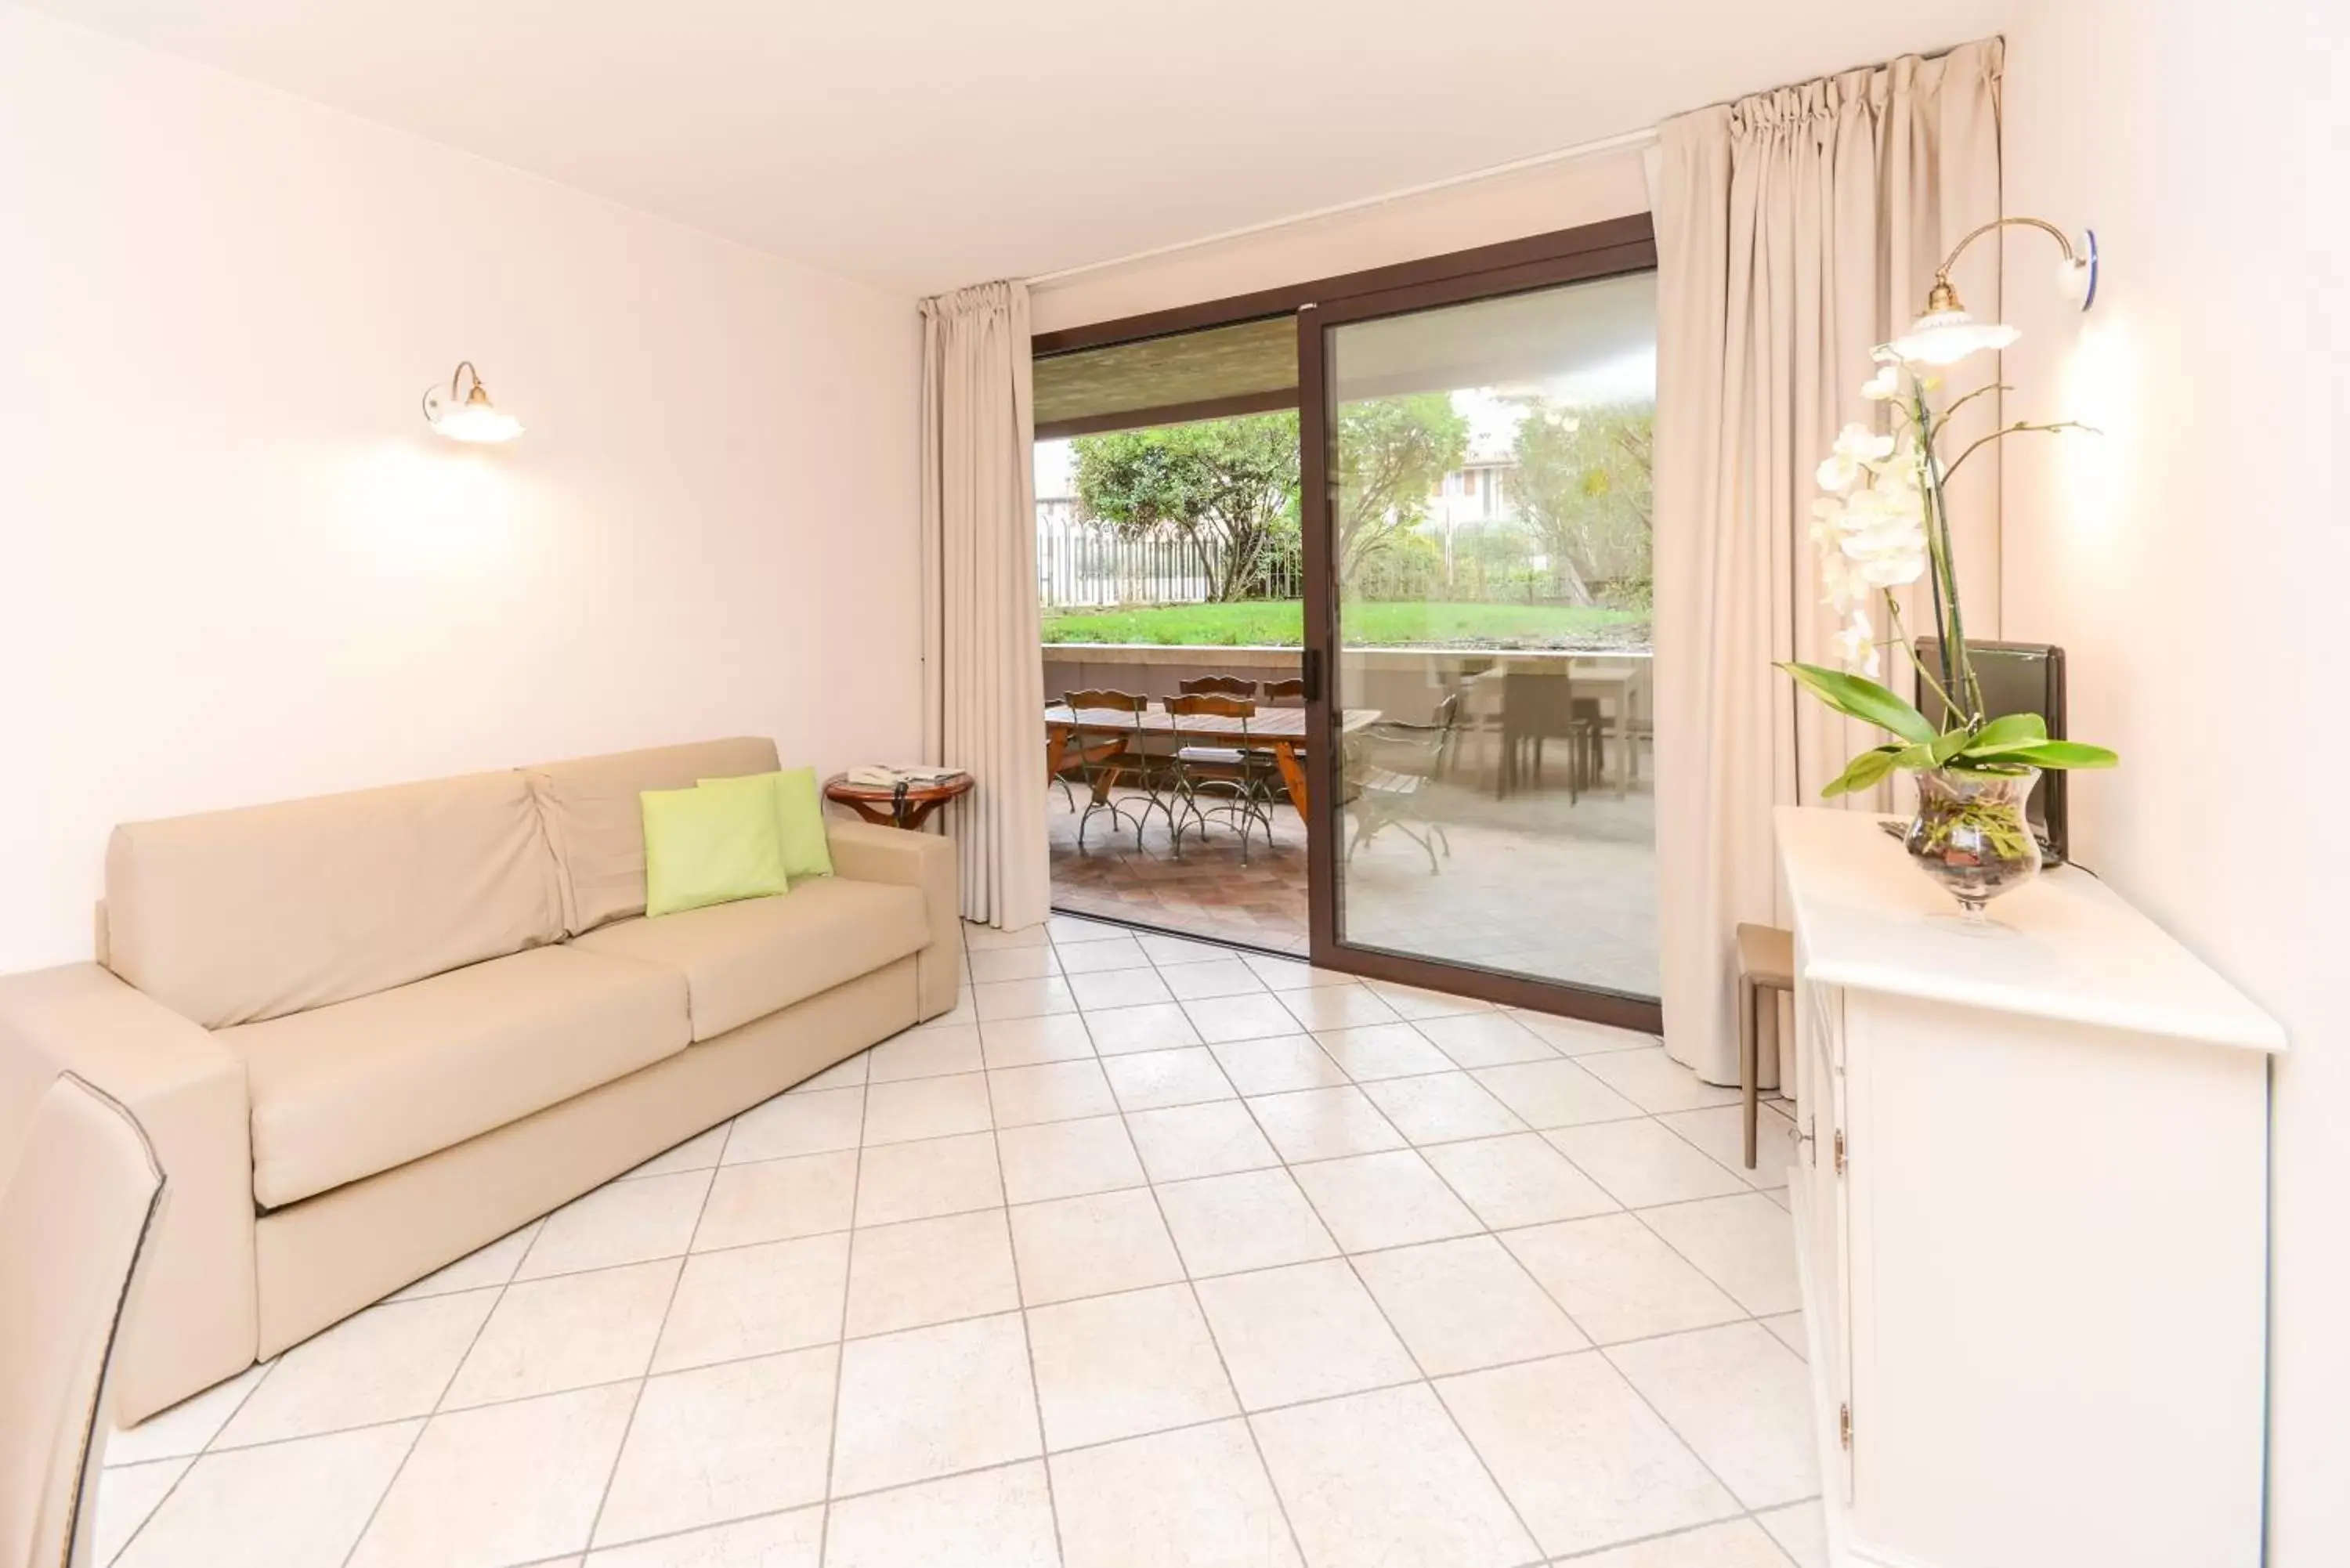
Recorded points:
(476,420)
(1947,336)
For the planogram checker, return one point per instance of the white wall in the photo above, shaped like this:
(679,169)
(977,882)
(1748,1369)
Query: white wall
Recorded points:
(235,563)
(1561,195)
(2193,563)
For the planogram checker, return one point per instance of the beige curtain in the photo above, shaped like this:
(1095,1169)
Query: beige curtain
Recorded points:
(982,679)
(1795,229)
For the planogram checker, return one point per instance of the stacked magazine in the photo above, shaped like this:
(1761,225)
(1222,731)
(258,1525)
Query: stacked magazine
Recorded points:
(878,775)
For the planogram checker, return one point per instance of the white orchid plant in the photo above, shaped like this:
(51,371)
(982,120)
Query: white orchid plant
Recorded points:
(1879,525)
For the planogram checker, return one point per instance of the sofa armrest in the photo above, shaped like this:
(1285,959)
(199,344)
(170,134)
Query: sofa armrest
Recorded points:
(195,1321)
(864,853)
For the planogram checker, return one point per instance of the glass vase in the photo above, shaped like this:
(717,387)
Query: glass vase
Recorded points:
(1970,836)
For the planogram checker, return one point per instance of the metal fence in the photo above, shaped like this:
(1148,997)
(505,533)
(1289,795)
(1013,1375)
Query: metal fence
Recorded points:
(1082,565)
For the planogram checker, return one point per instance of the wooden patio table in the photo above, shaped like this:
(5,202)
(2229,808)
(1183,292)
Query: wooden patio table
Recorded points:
(1279,730)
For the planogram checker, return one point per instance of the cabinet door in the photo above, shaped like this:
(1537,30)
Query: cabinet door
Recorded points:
(1820,1122)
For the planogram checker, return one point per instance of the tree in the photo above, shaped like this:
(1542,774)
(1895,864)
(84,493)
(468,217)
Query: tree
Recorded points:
(1392,454)
(1226,486)
(1585,486)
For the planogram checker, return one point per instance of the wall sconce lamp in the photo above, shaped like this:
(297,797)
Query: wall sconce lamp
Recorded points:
(1947,333)
(468,415)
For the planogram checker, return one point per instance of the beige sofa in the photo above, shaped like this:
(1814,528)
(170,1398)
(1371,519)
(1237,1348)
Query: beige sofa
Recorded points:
(370,1033)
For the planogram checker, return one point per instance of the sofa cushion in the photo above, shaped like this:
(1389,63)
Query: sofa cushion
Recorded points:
(744,960)
(345,1091)
(235,916)
(596,826)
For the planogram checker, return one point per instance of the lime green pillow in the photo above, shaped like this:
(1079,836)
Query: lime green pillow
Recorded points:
(709,846)
(799,819)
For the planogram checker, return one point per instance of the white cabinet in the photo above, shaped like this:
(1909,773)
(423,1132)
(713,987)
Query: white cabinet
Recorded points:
(2031,1212)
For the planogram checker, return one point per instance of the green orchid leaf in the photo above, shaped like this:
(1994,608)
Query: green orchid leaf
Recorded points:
(1910,758)
(2056,754)
(2012,730)
(1946,746)
(1862,772)
(1864,699)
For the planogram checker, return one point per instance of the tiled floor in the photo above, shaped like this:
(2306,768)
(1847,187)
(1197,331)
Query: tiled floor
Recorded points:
(1146,1256)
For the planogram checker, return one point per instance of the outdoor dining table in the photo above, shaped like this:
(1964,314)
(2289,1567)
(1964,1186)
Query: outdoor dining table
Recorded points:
(1280,729)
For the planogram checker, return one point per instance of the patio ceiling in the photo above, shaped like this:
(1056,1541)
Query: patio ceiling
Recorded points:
(1243,369)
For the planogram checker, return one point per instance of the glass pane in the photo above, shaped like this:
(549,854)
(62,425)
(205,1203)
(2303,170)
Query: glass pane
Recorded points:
(1495,672)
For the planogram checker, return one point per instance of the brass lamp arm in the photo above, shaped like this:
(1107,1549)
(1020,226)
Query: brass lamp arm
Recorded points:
(1944,297)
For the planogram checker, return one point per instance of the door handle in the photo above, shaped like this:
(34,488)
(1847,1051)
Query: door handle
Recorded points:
(1312,672)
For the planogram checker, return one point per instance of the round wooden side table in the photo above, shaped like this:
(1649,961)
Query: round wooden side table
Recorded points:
(887,808)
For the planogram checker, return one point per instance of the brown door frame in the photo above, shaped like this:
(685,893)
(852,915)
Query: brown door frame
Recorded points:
(1599,250)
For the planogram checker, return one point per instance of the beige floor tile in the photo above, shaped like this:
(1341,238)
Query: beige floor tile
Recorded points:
(1115,988)
(901,1181)
(778,1199)
(1554,1094)
(1122,1030)
(1021,998)
(1443,1108)
(926,1108)
(1304,1332)
(1801,1532)
(1619,1280)
(929,1271)
(1581,1037)
(851,1072)
(188,1426)
(992,964)
(1174,953)
(1417,1002)
(1385,1479)
(1745,1244)
(1068,929)
(1226,1018)
(620,1222)
(570,1331)
(815,1122)
(794,1540)
(1328,1007)
(503,1484)
(936,1051)
(1206,981)
(1464,1304)
(977,937)
(933,1401)
(1256,1220)
(1151,1080)
(1277,1063)
(1382,1051)
(1585,1461)
(1485,1040)
(994,1519)
(127,1496)
(1720,1132)
(1053,1091)
(1290,974)
(1323,1124)
(1517,1180)
(723,1442)
(1089,1246)
(755,1301)
(1067,1159)
(1194,1499)
(1734,1544)
(1118,1366)
(1640,1163)
(698,1153)
(1093,958)
(388,1362)
(1738,1398)
(1655,1082)
(1211,1139)
(1390,1199)
(1027,1041)
(1788,1328)
(286,1505)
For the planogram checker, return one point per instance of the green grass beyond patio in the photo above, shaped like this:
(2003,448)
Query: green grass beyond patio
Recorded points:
(1280,623)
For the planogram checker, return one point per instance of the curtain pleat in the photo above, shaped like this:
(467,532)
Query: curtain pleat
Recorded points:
(1795,231)
(982,679)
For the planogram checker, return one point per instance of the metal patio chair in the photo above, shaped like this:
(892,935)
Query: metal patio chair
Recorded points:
(1101,758)
(1393,765)
(1245,775)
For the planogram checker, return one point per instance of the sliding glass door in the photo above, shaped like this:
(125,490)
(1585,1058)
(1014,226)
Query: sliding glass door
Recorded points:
(1477,551)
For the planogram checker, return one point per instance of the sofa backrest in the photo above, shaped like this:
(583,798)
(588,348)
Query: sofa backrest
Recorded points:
(232,917)
(596,829)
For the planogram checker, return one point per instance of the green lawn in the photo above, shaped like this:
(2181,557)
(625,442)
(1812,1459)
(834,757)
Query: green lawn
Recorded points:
(1280,623)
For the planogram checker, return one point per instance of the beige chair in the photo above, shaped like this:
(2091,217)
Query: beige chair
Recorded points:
(74,1221)
(1766,966)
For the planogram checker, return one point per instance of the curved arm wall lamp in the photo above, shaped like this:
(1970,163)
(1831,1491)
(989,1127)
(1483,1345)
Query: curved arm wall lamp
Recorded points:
(1947,333)
(464,413)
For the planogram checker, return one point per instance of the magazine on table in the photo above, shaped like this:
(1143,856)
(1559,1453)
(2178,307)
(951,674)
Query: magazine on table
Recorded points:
(882,776)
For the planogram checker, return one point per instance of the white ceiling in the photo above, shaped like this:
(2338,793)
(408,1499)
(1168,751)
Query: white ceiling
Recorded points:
(922,144)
